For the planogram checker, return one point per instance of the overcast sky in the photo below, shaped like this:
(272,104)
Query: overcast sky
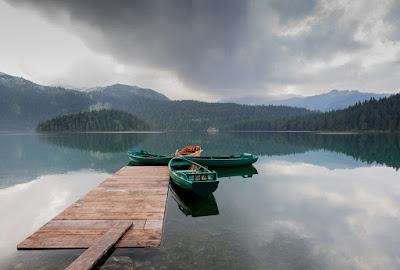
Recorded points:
(205,49)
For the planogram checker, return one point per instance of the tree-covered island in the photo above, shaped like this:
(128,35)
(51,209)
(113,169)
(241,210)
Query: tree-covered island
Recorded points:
(101,120)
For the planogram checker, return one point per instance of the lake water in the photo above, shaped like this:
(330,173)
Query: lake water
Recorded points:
(311,201)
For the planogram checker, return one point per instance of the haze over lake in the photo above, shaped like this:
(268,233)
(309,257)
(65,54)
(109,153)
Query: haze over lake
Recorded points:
(311,201)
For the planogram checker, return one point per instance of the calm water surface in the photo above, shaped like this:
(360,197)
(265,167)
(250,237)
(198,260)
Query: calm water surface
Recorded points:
(312,201)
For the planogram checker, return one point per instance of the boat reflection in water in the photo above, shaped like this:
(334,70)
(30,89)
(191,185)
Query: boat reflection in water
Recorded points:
(196,206)
(191,204)
(243,171)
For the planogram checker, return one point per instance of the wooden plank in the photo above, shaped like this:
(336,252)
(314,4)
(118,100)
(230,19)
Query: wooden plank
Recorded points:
(114,216)
(133,194)
(80,239)
(152,224)
(93,254)
(55,225)
(71,241)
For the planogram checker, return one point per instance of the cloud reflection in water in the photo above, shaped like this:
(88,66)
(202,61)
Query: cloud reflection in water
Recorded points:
(26,207)
(351,216)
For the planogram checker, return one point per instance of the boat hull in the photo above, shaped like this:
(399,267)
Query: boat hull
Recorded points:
(141,157)
(148,161)
(202,188)
(221,162)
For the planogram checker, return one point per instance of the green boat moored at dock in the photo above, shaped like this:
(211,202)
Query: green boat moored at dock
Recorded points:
(142,157)
(192,176)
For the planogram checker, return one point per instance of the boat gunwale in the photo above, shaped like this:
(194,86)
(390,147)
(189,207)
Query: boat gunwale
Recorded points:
(229,158)
(148,157)
(203,168)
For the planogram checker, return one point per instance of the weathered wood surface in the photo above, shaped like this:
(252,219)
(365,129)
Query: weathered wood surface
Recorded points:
(134,194)
(93,254)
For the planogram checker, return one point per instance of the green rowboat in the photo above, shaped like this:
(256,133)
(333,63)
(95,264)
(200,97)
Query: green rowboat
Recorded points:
(192,176)
(141,157)
(234,160)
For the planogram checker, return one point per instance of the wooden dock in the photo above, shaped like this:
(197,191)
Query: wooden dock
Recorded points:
(136,195)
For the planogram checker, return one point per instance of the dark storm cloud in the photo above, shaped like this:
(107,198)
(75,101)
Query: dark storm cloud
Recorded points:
(203,42)
(224,45)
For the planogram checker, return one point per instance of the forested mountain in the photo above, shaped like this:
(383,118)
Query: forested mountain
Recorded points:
(24,104)
(101,120)
(333,100)
(195,115)
(119,96)
(372,115)
(116,90)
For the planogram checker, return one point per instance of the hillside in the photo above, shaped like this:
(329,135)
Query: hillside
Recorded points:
(333,100)
(102,120)
(121,96)
(372,115)
(116,90)
(24,104)
(196,115)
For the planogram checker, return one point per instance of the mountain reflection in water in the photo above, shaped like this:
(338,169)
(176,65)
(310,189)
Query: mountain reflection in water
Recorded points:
(25,157)
(380,148)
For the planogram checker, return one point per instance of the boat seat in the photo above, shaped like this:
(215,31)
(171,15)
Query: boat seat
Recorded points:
(188,171)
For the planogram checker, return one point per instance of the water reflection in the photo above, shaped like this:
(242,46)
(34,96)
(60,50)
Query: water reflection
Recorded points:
(27,207)
(350,217)
(243,171)
(369,148)
(95,142)
(25,157)
(191,204)
(292,215)
(314,201)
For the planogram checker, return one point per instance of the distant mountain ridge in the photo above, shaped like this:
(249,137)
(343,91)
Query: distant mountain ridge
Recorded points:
(118,89)
(333,100)
(23,104)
